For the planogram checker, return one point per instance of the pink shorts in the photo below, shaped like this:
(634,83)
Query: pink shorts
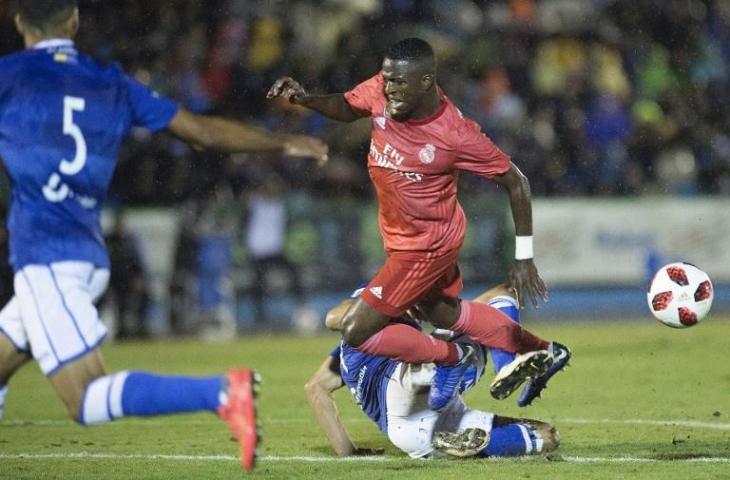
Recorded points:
(410,277)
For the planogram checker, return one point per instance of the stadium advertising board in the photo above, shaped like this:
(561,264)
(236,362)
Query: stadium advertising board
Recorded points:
(588,242)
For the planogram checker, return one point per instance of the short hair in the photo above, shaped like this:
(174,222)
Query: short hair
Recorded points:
(46,14)
(412,50)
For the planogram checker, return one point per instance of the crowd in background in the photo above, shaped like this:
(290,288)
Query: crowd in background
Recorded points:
(589,97)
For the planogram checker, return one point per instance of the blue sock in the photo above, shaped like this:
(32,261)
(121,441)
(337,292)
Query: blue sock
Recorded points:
(143,394)
(508,306)
(512,440)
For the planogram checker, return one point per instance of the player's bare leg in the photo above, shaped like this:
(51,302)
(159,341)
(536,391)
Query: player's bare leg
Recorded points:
(372,332)
(71,381)
(10,361)
(362,322)
(92,396)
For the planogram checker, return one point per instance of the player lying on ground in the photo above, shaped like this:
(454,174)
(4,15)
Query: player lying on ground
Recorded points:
(419,143)
(63,117)
(511,370)
(395,396)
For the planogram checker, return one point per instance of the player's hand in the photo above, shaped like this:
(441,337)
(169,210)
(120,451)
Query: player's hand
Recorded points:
(367,452)
(306,146)
(523,275)
(287,87)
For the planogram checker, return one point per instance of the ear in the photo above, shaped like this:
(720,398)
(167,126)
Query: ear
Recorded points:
(19,26)
(427,81)
(72,25)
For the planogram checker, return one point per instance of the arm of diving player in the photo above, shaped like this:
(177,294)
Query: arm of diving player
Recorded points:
(230,136)
(331,106)
(523,273)
(334,317)
(319,390)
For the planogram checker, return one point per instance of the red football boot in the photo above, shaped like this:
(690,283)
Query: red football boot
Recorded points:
(239,412)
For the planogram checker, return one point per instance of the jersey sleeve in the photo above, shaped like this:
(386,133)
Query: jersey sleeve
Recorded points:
(149,109)
(476,153)
(363,97)
(335,353)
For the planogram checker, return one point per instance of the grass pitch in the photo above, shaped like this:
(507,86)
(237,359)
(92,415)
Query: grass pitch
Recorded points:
(640,401)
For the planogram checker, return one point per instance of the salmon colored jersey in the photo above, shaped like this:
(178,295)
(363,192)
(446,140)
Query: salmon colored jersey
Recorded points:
(414,166)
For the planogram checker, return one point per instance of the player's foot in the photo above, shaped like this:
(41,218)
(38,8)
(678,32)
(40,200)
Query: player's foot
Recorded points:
(523,367)
(561,356)
(465,444)
(239,412)
(446,379)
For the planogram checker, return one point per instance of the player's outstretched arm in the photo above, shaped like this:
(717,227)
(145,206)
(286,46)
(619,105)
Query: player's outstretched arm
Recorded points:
(332,106)
(523,274)
(230,136)
(319,389)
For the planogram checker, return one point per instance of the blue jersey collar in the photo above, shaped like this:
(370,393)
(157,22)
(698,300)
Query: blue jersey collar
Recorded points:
(54,43)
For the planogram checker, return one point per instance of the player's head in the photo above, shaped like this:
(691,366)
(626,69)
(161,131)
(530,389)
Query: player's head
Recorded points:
(40,19)
(409,71)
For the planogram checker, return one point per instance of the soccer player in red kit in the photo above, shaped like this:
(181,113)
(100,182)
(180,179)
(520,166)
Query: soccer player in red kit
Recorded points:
(420,142)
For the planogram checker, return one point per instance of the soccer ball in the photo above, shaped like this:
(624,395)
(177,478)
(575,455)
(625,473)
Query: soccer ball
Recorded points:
(680,295)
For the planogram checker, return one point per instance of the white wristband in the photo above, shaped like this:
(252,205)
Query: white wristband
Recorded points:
(523,248)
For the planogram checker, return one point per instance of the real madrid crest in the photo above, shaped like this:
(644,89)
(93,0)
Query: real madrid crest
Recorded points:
(427,154)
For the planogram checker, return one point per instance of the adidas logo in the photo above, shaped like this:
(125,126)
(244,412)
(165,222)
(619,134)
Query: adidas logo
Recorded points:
(377,291)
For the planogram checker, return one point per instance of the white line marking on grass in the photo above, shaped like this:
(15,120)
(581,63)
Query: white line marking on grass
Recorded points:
(303,458)
(636,421)
(278,420)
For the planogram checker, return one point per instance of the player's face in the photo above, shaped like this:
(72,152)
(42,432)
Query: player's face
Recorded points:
(403,87)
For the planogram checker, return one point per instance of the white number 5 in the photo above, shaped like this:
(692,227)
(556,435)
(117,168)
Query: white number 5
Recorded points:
(71,105)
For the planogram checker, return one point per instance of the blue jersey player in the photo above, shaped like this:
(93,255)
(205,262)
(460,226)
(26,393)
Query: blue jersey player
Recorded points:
(62,119)
(394,395)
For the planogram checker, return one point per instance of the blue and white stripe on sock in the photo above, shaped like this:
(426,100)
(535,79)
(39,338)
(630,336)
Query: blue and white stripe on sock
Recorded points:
(103,399)
(126,394)
(3,393)
(513,440)
(509,307)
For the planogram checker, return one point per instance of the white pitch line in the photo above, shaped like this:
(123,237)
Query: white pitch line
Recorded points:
(636,421)
(298,458)
(279,420)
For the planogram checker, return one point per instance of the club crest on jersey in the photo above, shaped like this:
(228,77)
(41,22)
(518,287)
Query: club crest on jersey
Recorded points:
(380,121)
(427,154)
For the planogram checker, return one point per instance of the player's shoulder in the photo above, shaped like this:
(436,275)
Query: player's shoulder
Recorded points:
(456,124)
(12,61)
(110,71)
(12,66)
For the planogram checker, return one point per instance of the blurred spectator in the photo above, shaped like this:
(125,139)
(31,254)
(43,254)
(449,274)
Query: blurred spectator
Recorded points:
(647,70)
(128,291)
(214,266)
(265,233)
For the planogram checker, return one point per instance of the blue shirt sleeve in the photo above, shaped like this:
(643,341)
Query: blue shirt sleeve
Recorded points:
(336,352)
(149,109)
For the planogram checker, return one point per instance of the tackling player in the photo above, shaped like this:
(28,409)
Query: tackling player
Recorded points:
(419,143)
(62,119)
(395,396)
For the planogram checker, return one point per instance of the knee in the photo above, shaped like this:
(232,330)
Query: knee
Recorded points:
(352,332)
(442,312)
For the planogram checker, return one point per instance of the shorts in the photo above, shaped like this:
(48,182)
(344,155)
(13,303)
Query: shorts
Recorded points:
(52,315)
(411,424)
(409,277)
